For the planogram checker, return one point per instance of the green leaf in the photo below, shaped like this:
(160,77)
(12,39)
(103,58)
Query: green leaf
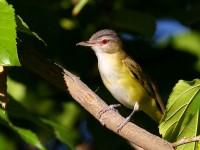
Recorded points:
(137,22)
(64,135)
(23,27)
(181,118)
(68,137)
(8,48)
(27,135)
(189,42)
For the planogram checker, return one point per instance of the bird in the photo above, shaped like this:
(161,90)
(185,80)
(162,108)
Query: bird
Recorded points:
(123,76)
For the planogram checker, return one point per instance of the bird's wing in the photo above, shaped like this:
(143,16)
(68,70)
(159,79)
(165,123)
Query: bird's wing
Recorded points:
(138,73)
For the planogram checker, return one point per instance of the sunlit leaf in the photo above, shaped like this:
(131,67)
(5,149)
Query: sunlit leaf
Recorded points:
(16,89)
(23,27)
(8,48)
(182,114)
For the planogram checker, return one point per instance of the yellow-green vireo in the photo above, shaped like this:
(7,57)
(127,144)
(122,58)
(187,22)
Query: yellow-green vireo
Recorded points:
(122,76)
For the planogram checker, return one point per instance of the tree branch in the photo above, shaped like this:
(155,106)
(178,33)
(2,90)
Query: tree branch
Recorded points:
(3,88)
(67,81)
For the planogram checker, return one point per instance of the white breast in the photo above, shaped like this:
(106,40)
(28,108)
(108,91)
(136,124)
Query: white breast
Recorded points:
(110,73)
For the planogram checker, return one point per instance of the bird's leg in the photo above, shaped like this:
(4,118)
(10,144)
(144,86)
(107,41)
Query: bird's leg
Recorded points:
(123,123)
(127,119)
(110,107)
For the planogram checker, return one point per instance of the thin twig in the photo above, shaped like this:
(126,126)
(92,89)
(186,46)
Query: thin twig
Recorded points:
(185,141)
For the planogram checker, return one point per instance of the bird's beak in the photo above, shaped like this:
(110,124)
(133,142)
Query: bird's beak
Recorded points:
(85,43)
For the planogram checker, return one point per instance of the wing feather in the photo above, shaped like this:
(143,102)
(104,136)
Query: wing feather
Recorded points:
(138,73)
(142,78)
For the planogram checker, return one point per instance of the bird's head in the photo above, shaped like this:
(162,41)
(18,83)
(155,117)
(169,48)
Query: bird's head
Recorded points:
(103,41)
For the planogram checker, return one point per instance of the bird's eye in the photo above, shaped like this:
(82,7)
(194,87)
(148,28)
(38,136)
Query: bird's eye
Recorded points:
(104,41)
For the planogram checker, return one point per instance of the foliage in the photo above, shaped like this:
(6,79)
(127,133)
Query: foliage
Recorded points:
(8,49)
(39,113)
(23,27)
(181,118)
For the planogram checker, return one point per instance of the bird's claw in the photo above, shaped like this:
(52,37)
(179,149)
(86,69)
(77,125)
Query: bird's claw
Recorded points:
(110,107)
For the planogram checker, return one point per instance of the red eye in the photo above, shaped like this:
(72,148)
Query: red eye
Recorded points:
(104,41)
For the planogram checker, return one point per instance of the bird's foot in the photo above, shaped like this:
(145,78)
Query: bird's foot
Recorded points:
(127,119)
(123,123)
(110,107)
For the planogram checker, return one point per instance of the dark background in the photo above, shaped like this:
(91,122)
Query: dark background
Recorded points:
(161,35)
